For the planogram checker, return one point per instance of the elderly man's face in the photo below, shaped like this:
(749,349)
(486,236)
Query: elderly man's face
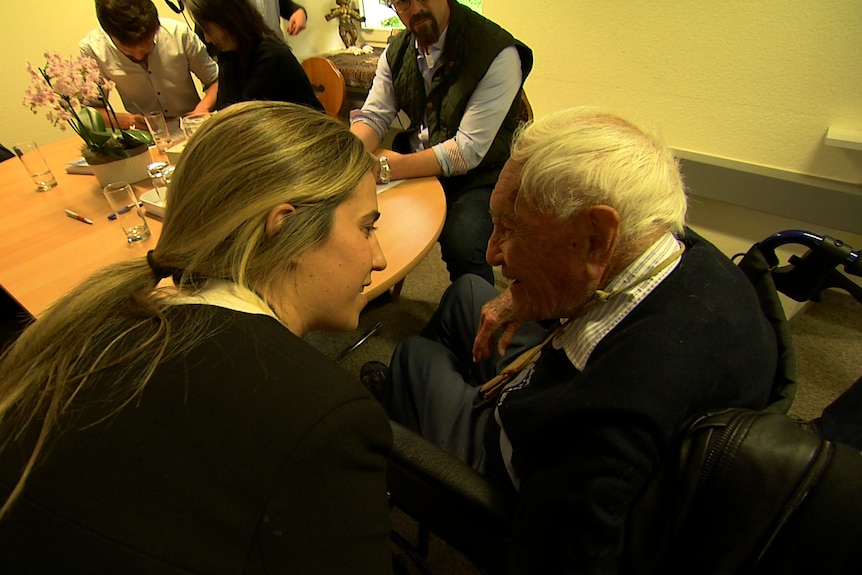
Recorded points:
(544,257)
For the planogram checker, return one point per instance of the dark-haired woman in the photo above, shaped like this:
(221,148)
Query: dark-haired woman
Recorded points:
(254,62)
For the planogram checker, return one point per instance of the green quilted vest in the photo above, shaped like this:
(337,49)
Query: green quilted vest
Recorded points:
(472,43)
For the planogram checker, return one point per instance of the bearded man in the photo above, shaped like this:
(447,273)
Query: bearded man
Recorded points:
(458,77)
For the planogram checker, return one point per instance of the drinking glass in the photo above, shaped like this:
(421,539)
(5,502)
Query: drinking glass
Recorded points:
(160,176)
(34,163)
(127,210)
(192,122)
(158,127)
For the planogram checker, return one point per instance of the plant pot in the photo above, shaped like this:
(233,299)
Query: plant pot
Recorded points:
(132,169)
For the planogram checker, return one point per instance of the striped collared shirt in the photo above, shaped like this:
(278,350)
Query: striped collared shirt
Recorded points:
(580,338)
(586,331)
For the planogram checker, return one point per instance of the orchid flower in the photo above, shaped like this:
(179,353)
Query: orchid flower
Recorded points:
(68,88)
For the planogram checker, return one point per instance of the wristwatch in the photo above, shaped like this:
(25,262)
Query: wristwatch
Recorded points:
(385,171)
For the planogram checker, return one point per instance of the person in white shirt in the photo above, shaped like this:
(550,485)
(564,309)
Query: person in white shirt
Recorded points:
(151,61)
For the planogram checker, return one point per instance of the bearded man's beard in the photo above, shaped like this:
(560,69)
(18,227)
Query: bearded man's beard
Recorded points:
(425,28)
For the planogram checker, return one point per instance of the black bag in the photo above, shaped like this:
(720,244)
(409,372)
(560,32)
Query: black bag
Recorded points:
(750,492)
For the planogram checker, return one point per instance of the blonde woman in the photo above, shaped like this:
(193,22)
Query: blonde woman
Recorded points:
(190,429)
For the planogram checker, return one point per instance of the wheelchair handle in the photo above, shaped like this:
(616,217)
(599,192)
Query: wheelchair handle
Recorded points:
(837,250)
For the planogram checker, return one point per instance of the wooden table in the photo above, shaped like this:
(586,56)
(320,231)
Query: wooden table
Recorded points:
(44,253)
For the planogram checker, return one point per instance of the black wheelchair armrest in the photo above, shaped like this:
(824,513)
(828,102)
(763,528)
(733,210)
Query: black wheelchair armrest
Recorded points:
(461,506)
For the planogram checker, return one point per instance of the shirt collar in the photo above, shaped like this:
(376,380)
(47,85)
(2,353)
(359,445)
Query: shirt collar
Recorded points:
(435,50)
(229,295)
(585,332)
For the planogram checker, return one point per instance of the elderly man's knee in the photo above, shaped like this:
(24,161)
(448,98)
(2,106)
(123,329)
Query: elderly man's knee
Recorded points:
(468,293)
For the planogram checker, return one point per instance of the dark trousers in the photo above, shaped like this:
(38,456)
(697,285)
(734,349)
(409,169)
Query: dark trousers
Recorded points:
(434,381)
(466,231)
(468,227)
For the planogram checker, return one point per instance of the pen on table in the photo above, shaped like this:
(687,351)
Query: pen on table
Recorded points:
(123,210)
(79,217)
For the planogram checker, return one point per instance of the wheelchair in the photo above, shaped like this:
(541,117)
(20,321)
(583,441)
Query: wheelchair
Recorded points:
(786,498)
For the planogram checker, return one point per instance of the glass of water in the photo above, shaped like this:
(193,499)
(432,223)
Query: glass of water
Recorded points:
(121,197)
(34,163)
(158,127)
(190,124)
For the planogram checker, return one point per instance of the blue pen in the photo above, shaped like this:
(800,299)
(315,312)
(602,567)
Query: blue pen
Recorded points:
(122,210)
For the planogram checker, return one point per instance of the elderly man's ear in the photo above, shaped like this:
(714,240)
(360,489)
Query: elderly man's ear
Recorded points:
(603,225)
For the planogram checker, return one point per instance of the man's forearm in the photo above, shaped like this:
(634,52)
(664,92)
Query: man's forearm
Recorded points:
(286,8)
(125,120)
(369,136)
(209,99)
(416,165)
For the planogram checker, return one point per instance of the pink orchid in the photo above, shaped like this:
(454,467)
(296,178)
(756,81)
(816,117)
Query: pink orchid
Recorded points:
(67,87)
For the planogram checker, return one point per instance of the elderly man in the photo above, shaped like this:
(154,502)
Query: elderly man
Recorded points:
(643,323)
(150,61)
(457,76)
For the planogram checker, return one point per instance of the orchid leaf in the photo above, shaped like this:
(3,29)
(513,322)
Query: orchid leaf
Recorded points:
(137,137)
(92,120)
(99,140)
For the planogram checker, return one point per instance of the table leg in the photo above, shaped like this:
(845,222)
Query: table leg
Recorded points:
(396,291)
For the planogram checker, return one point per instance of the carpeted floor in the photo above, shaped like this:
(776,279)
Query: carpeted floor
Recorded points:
(827,337)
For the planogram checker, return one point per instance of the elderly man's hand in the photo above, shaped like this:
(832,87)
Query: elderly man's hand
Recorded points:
(496,315)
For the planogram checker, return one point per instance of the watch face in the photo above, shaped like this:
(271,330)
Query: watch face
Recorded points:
(384,171)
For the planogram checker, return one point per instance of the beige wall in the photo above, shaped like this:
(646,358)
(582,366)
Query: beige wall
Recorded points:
(757,83)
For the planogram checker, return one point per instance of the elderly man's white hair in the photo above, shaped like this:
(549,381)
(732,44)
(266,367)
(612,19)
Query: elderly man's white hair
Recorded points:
(585,156)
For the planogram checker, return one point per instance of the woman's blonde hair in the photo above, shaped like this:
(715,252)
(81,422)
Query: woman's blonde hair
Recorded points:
(586,156)
(242,163)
